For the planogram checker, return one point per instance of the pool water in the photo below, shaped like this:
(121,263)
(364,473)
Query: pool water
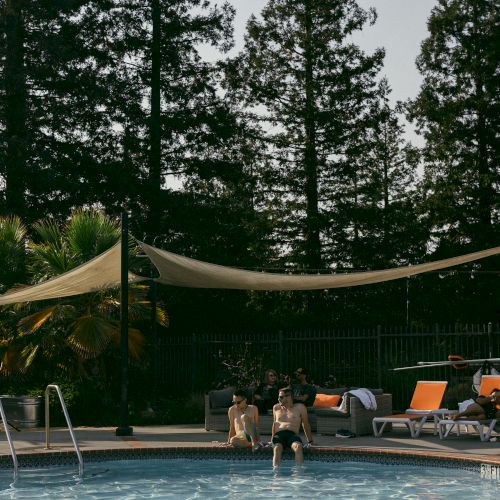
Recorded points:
(189,479)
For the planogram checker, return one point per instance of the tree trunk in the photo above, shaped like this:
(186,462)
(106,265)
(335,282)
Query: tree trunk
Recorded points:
(313,244)
(15,108)
(486,190)
(155,120)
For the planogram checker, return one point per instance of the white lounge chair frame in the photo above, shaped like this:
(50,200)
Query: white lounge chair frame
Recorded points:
(414,423)
(483,427)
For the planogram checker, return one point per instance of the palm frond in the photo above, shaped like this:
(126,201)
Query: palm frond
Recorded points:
(90,232)
(90,335)
(11,360)
(136,341)
(12,230)
(49,232)
(28,355)
(29,324)
(48,260)
(162,317)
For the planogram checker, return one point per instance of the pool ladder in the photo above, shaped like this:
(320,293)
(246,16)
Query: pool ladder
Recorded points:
(47,429)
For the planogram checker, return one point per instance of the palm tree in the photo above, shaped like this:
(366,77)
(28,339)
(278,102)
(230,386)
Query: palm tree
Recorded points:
(12,251)
(65,333)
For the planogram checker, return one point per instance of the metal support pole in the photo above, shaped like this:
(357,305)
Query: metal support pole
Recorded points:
(123,428)
(379,356)
(154,329)
(194,364)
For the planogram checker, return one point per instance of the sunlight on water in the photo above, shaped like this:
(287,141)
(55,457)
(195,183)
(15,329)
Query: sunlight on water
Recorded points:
(190,479)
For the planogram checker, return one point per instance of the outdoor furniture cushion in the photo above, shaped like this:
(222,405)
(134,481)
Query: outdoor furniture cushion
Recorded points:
(428,395)
(326,400)
(332,392)
(222,398)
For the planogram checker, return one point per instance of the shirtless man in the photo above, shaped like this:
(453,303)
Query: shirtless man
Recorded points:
(243,423)
(287,418)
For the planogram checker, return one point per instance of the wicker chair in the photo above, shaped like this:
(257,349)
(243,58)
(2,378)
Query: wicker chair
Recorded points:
(357,419)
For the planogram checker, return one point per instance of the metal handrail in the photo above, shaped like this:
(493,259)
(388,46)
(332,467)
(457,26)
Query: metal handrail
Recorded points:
(68,421)
(9,439)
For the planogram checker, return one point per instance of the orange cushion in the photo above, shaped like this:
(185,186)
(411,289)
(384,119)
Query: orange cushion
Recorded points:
(428,395)
(488,383)
(326,400)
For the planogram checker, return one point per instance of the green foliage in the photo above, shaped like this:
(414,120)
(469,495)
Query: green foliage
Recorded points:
(12,238)
(457,113)
(63,337)
(242,367)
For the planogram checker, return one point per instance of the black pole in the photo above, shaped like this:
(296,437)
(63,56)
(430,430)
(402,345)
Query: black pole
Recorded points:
(123,428)
(155,338)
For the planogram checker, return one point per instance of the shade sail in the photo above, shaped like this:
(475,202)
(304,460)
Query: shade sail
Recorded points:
(101,272)
(186,272)
(104,272)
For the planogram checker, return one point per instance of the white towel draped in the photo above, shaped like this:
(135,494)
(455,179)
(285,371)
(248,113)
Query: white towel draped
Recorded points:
(366,397)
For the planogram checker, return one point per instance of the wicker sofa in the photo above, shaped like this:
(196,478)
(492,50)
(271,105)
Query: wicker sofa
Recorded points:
(323,420)
(357,419)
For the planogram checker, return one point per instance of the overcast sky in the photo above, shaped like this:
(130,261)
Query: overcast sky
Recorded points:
(401,26)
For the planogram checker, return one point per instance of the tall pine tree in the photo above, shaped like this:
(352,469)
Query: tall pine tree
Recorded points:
(458,113)
(314,87)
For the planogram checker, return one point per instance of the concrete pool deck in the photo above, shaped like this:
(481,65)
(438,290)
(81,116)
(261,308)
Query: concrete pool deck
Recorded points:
(397,442)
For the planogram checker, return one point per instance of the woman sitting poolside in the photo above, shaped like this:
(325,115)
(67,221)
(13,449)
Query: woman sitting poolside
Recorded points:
(484,408)
(266,394)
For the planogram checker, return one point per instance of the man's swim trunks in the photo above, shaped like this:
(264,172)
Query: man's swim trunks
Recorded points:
(286,438)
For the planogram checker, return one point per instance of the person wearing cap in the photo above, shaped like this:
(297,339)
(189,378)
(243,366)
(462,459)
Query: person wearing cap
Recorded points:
(303,392)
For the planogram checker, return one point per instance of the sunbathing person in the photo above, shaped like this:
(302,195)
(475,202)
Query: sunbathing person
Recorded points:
(484,408)
(287,418)
(243,423)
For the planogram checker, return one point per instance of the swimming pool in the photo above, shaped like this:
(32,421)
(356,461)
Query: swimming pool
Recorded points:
(245,479)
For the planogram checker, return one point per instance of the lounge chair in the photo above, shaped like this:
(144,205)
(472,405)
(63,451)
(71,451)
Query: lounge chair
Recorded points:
(483,427)
(426,401)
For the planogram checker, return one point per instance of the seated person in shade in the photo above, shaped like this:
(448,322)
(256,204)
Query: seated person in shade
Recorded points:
(484,408)
(303,392)
(243,423)
(266,394)
(287,419)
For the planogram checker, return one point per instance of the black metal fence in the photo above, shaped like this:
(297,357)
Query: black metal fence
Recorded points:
(357,357)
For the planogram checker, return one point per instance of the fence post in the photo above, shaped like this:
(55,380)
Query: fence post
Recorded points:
(379,354)
(193,361)
(489,339)
(280,351)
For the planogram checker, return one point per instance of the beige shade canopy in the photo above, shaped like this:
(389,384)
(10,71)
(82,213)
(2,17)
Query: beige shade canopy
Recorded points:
(104,272)
(186,272)
(101,272)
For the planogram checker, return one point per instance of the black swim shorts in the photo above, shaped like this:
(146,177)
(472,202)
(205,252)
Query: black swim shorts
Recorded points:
(286,438)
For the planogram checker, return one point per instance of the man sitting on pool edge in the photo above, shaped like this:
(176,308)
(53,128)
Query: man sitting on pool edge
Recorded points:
(243,423)
(287,418)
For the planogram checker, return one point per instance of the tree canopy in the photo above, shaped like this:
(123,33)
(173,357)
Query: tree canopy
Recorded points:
(287,156)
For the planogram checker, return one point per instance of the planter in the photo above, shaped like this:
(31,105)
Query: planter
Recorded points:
(23,411)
